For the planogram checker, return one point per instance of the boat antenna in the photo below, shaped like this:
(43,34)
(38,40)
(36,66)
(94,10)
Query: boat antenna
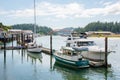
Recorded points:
(34,17)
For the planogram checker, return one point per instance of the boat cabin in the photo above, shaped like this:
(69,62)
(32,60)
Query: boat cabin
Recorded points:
(69,51)
(80,42)
(84,43)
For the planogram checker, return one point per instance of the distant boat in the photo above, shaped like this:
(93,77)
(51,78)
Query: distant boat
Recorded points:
(87,47)
(33,47)
(70,57)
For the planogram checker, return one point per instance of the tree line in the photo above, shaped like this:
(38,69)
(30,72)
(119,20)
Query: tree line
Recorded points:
(100,26)
(39,29)
(93,26)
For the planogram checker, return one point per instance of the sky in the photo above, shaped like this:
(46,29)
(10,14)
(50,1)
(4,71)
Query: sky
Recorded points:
(59,14)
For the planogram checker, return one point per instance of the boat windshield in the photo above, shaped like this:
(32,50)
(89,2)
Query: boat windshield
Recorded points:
(88,43)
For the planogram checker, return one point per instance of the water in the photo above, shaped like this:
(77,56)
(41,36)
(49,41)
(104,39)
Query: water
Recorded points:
(22,65)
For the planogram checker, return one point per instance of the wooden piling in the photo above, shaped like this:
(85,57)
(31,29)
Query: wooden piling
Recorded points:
(12,40)
(106,51)
(51,44)
(22,39)
(4,42)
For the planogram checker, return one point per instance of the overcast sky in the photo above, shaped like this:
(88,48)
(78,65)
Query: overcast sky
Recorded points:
(58,14)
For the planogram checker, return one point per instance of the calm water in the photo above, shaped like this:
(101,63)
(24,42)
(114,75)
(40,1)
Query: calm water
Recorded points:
(21,65)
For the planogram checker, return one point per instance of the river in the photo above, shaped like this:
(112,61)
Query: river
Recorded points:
(22,65)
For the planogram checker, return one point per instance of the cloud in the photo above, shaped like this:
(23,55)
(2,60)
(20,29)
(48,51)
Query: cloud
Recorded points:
(107,3)
(74,10)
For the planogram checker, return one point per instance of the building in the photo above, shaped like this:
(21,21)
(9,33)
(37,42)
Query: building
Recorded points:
(99,33)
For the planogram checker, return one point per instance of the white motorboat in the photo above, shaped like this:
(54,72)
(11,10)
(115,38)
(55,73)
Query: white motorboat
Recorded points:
(33,47)
(87,47)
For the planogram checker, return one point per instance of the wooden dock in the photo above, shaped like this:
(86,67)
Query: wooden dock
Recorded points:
(45,50)
(13,48)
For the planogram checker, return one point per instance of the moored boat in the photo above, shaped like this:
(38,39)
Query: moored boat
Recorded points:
(33,47)
(70,57)
(87,47)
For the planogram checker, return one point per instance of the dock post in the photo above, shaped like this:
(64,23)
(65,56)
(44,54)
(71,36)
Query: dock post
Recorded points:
(12,41)
(4,43)
(4,48)
(51,44)
(22,39)
(106,47)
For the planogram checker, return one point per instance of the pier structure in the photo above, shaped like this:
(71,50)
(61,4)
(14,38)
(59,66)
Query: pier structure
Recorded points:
(21,36)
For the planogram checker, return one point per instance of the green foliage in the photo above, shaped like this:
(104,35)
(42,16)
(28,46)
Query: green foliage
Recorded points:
(100,26)
(39,29)
(5,27)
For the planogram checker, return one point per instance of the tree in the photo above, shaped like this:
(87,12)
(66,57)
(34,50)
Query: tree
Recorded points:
(5,27)
(101,26)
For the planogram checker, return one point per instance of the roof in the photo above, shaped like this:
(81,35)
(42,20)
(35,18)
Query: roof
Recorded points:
(99,32)
(20,31)
(27,31)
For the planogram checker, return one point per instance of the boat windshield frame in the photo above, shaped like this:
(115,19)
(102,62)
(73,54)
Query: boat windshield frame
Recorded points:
(69,52)
(85,43)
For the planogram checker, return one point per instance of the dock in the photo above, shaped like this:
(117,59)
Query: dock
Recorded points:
(13,48)
(45,50)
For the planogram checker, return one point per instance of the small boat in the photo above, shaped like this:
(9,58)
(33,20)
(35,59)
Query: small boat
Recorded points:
(33,47)
(87,47)
(70,57)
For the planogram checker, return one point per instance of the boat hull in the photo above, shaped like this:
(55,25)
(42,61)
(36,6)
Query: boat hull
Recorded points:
(94,56)
(74,64)
(34,50)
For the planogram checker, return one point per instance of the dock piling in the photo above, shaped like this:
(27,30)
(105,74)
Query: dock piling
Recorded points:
(51,44)
(106,47)
(12,40)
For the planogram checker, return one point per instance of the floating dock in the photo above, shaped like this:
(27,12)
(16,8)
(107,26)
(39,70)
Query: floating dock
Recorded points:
(45,50)
(13,48)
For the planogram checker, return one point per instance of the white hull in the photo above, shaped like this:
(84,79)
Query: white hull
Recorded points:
(93,56)
(35,50)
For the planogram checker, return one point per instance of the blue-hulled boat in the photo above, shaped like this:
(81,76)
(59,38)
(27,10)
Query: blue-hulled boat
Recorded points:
(71,58)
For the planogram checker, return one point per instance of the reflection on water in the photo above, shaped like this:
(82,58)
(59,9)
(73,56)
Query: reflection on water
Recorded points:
(35,57)
(22,65)
(83,74)
(69,73)
(5,69)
